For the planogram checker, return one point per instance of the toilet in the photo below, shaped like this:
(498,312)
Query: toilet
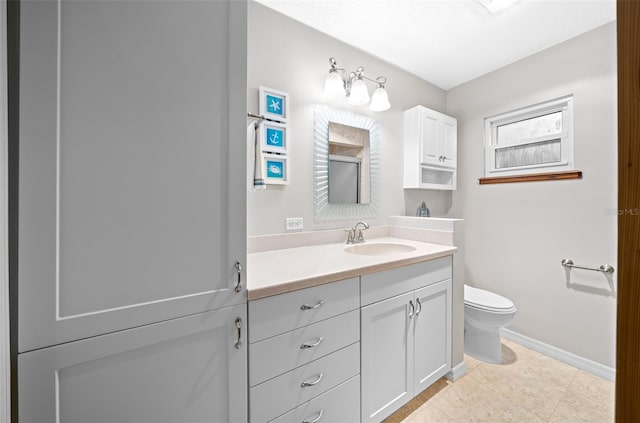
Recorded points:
(485,313)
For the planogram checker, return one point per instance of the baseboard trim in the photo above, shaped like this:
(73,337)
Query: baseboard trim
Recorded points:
(457,372)
(571,359)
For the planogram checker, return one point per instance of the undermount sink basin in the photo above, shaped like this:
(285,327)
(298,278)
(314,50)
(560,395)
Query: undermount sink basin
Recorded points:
(379,249)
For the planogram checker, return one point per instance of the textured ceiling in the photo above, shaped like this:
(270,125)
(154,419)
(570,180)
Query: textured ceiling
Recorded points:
(448,42)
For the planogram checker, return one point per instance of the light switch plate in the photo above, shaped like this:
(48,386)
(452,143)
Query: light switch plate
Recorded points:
(293,223)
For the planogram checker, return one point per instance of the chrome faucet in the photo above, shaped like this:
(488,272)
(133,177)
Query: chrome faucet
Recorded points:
(354,235)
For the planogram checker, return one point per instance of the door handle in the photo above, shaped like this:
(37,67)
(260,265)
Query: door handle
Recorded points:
(420,304)
(413,309)
(238,343)
(238,267)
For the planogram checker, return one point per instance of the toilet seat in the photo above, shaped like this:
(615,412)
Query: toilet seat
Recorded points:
(485,300)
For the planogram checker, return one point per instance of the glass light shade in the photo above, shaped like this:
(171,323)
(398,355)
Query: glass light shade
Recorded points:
(333,85)
(359,93)
(379,100)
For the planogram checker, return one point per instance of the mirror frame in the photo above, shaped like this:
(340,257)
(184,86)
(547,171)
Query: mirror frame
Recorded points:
(322,209)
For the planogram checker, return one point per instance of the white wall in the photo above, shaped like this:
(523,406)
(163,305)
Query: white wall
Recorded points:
(516,234)
(289,56)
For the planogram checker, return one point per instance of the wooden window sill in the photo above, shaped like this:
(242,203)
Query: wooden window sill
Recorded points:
(551,176)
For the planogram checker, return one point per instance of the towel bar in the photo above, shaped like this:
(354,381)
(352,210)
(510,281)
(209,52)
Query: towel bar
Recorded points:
(604,268)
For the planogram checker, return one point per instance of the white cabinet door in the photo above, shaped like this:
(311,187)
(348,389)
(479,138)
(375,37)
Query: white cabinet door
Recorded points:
(184,370)
(386,363)
(449,142)
(432,334)
(130,210)
(430,135)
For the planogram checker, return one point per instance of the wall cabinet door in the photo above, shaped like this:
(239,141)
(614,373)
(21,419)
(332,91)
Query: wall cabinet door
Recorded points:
(130,212)
(448,146)
(438,138)
(387,357)
(432,334)
(184,370)
(430,138)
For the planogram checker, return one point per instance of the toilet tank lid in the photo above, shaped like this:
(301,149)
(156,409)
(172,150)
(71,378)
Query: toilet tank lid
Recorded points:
(485,299)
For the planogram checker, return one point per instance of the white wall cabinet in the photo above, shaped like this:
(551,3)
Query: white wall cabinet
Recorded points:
(430,149)
(129,210)
(406,339)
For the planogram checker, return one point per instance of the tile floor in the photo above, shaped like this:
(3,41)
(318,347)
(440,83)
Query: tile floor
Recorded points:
(528,387)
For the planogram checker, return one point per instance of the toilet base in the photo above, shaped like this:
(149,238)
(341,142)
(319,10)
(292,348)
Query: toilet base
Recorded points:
(483,344)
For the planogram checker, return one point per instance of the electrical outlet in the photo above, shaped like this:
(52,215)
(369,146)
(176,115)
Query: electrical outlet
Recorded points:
(293,223)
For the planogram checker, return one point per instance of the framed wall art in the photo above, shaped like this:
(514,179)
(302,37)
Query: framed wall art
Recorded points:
(274,104)
(276,169)
(274,137)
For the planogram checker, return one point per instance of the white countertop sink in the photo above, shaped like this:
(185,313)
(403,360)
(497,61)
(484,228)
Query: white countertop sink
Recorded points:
(278,271)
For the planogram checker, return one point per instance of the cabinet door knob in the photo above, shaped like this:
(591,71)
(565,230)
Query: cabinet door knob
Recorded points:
(308,307)
(419,304)
(413,309)
(315,382)
(311,345)
(316,420)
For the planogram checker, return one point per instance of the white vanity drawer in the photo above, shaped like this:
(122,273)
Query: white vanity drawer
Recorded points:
(285,392)
(281,313)
(279,354)
(339,405)
(382,285)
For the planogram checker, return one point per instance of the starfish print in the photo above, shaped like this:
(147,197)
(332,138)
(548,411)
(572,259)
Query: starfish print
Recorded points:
(275,105)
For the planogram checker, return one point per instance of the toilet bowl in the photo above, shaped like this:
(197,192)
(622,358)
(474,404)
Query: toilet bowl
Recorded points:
(485,313)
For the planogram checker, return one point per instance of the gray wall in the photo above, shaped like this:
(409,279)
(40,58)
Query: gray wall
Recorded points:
(289,56)
(516,234)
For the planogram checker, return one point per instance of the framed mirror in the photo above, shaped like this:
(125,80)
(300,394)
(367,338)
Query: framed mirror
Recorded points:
(346,165)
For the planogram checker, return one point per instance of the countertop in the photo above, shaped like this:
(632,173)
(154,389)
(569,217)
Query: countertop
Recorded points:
(279,271)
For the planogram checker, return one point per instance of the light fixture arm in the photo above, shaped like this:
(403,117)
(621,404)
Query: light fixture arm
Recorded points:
(348,80)
(379,81)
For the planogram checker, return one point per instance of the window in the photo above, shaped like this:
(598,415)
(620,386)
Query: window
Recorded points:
(536,139)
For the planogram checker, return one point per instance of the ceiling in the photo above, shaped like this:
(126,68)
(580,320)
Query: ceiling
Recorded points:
(448,42)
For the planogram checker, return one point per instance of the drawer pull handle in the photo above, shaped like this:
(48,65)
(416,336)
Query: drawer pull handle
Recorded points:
(315,344)
(420,304)
(315,382)
(316,420)
(308,307)
(413,309)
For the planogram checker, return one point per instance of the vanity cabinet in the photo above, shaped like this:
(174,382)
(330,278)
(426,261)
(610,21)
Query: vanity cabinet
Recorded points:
(405,334)
(304,354)
(430,149)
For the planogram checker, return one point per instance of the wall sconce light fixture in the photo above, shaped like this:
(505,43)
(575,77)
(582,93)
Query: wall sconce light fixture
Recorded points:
(339,83)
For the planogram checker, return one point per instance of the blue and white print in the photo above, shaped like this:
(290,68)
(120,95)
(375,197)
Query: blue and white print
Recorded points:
(275,105)
(275,137)
(275,169)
